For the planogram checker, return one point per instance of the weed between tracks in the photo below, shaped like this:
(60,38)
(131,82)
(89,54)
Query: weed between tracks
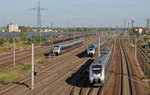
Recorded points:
(3,49)
(7,77)
(26,67)
(10,74)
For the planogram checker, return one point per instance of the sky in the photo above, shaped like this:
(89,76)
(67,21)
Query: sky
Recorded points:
(75,13)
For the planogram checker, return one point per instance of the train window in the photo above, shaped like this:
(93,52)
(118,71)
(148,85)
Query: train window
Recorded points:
(97,69)
(56,47)
(91,46)
(66,48)
(62,48)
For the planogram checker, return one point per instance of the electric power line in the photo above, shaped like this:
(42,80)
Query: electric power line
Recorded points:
(39,17)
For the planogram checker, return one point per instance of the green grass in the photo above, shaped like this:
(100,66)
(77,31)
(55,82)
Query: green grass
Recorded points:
(3,49)
(23,68)
(26,67)
(7,77)
(40,62)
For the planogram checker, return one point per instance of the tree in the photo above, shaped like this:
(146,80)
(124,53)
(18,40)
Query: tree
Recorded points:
(78,29)
(29,30)
(1,40)
(23,36)
(11,40)
(25,29)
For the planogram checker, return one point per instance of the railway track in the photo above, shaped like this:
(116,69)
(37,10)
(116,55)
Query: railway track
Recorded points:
(55,63)
(138,85)
(61,87)
(117,70)
(143,60)
(24,55)
(54,80)
(126,84)
(83,87)
(52,89)
(121,93)
(21,56)
(123,84)
(81,80)
(141,51)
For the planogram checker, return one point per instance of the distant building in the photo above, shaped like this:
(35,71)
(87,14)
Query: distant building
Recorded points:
(12,27)
(141,30)
(138,29)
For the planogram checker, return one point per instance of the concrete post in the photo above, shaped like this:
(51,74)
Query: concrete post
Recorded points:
(135,50)
(74,35)
(43,55)
(32,66)
(14,54)
(99,45)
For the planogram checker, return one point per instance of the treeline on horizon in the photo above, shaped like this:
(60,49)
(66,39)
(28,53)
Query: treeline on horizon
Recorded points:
(59,29)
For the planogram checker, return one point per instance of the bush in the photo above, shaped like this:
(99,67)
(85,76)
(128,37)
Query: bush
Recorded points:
(23,36)
(35,40)
(16,40)
(1,40)
(11,40)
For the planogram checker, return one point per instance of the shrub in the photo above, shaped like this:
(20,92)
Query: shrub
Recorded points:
(11,40)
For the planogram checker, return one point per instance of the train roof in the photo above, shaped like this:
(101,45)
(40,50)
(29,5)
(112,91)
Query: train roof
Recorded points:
(69,42)
(102,58)
(95,44)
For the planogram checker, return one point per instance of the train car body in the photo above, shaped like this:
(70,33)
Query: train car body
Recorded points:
(99,68)
(92,49)
(66,46)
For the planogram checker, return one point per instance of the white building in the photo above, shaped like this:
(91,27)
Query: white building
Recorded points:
(140,31)
(13,27)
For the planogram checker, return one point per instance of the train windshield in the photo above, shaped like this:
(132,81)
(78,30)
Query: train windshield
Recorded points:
(56,47)
(91,47)
(97,69)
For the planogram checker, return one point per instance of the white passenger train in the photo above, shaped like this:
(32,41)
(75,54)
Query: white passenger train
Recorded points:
(66,46)
(92,49)
(99,68)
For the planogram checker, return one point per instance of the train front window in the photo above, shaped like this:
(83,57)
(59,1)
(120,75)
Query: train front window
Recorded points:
(97,69)
(91,47)
(56,47)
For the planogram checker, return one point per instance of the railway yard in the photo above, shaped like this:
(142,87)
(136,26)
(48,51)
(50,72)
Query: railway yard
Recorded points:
(70,47)
(68,73)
